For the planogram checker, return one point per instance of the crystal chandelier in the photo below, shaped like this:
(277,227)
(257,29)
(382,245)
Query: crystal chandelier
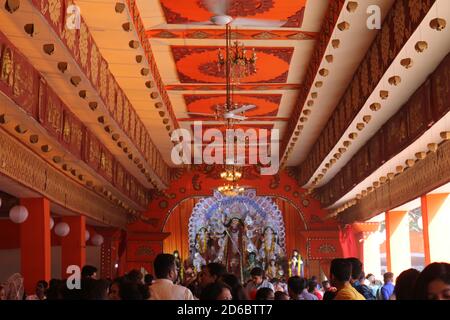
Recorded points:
(230,190)
(241,63)
(232,175)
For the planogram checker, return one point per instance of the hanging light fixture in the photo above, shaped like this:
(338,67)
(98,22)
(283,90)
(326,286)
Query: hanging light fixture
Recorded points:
(18,214)
(62,229)
(97,240)
(242,63)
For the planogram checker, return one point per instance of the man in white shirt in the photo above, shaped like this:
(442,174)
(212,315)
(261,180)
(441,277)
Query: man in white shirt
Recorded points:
(163,288)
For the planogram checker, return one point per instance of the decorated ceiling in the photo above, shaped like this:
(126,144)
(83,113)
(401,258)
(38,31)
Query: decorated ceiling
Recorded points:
(186,55)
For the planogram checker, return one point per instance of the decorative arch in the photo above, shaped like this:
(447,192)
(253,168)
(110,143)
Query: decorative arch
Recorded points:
(308,231)
(202,181)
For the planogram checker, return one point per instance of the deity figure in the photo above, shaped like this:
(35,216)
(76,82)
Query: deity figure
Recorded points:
(201,241)
(176,254)
(198,262)
(235,234)
(6,74)
(272,269)
(252,262)
(296,264)
(269,248)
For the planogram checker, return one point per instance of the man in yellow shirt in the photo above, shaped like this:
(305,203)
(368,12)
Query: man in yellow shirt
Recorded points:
(340,273)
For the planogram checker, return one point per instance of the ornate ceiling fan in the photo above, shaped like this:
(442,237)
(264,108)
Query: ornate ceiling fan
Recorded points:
(220,10)
(231,114)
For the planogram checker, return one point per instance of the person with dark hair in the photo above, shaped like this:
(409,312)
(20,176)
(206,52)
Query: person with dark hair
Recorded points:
(163,287)
(54,291)
(404,285)
(212,273)
(297,288)
(134,276)
(329,291)
(341,272)
(373,284)
(237,290)
(280,295)
(216,291)
(265,294)
(89,272)
(357,279)
(312,288)
(40,291)
(98,290)
(258,281)
(387,289)
(148,279)
(131,291)
(114,289)
(433,282)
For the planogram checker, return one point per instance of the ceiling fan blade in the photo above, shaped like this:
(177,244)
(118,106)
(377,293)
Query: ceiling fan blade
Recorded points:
(201,114)
(246,22)
(243,108)
(218,7)
(234,116)
(200,23)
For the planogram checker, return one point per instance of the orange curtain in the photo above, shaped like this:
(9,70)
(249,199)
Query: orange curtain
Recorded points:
(177,226)
(293,224)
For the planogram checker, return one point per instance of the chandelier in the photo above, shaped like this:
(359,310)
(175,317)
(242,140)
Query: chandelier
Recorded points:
(237,62)
(242,64)
(231,175)
(231,190)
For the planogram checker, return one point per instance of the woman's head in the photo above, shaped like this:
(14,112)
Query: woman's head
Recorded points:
(216,291)
(404,285)
(265,294)
(114,290)
(434,282)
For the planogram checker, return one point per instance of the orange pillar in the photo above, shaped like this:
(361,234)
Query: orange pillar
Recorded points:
(73,246)
(35,245)
(398,251)
(436,226)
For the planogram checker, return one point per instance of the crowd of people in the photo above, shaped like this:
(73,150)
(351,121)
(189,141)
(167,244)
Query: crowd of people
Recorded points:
(347,282)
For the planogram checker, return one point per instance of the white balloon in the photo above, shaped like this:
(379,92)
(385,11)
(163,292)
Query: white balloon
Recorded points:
(97,240)
(18,214)
(87,235)
(52,223)
(0,202)
(62,229)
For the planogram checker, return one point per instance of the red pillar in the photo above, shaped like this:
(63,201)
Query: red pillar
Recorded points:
(73,246)
(35,243)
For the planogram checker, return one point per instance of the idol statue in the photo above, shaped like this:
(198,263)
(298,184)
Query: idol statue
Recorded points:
(272,269)
(198,262)
(269,247)
(176,254)
(296,265)
(235,243)
(252,262)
